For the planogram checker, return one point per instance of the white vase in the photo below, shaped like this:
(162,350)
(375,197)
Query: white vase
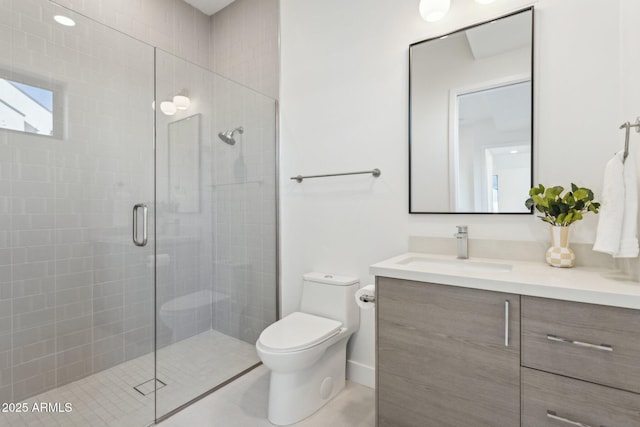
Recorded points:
(560,254)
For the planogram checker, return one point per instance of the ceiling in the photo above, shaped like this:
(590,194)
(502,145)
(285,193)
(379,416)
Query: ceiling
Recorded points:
(209,7)
(500,36)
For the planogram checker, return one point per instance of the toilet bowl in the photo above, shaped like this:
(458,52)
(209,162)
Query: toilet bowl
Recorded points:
(306,350)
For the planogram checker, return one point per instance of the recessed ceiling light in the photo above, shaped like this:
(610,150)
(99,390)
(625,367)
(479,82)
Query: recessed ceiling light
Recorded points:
(64,20)
(513,152)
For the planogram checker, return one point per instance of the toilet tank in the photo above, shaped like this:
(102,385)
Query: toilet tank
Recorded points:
(331,296)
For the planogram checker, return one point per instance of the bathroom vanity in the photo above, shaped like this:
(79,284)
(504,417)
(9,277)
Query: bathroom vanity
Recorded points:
(504,343)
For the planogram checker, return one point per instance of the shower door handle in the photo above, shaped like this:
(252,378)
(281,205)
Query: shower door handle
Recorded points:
(136,207)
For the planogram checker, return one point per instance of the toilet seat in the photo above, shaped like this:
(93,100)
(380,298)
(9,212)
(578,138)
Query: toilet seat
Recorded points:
(298,331)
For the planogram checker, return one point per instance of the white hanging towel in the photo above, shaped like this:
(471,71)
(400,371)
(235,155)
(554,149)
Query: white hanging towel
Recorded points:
(617,232)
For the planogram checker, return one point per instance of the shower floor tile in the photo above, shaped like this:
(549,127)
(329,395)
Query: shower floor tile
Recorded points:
(108,398)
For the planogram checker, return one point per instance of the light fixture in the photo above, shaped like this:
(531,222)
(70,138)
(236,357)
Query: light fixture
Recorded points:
(64,20)
(485,1)
(178,102)
(513,152)
(434,10)
(168,107)
(181,102)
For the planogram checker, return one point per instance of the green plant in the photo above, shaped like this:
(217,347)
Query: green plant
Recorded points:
(558,209)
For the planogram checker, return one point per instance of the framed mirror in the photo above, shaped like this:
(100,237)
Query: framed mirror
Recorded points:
(470,119)
(184,164)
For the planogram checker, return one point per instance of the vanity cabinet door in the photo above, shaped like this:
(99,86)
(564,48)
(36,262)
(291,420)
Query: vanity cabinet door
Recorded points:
(444,357)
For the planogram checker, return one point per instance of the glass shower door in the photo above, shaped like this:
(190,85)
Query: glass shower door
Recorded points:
(76,154)
(216,229)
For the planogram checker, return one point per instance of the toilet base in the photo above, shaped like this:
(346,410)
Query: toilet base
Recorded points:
(294,396)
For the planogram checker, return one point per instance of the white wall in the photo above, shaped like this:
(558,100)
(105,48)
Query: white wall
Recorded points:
(344,107)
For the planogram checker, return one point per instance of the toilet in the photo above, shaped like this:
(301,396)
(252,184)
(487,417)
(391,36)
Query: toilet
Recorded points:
(306,351)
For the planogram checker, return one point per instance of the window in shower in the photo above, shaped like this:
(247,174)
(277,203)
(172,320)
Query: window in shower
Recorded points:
(31,108)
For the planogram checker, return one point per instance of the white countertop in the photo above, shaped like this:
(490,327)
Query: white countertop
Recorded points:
(581,284)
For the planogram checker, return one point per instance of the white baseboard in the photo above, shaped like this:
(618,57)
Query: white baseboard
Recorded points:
(361,374)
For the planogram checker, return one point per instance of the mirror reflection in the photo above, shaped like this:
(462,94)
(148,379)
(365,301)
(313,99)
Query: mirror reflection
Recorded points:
(184,164)
(471,119)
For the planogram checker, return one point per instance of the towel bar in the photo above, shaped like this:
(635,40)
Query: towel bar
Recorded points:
(376,173)
(627,127)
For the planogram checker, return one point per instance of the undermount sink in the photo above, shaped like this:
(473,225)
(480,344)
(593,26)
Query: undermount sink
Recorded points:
(453,264)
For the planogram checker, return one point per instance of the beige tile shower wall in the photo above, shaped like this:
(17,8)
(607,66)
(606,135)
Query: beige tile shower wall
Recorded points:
(171,25)
(244,44)
(75,293)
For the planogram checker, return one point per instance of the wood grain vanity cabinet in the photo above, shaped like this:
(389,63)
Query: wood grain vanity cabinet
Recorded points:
(446,356)
(443,359)
(581,364)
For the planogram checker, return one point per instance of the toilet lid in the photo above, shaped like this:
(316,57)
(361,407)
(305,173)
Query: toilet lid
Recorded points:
(298,331)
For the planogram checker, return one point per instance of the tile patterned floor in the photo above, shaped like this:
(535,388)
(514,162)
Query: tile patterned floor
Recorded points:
(243,403)
(108,399)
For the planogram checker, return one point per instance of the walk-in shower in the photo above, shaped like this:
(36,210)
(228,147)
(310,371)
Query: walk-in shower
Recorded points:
(125,329)
(227,136)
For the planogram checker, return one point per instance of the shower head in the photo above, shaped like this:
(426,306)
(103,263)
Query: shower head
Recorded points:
(227,136)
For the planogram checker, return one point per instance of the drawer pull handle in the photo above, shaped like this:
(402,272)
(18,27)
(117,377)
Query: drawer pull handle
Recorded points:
(506,323)
(603,347)
(554,416)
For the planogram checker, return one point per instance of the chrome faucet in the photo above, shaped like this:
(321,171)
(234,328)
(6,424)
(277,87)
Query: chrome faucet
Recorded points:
(463,239)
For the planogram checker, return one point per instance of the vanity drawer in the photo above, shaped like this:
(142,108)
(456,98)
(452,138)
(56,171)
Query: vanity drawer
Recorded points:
(586,341)
(553,401)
